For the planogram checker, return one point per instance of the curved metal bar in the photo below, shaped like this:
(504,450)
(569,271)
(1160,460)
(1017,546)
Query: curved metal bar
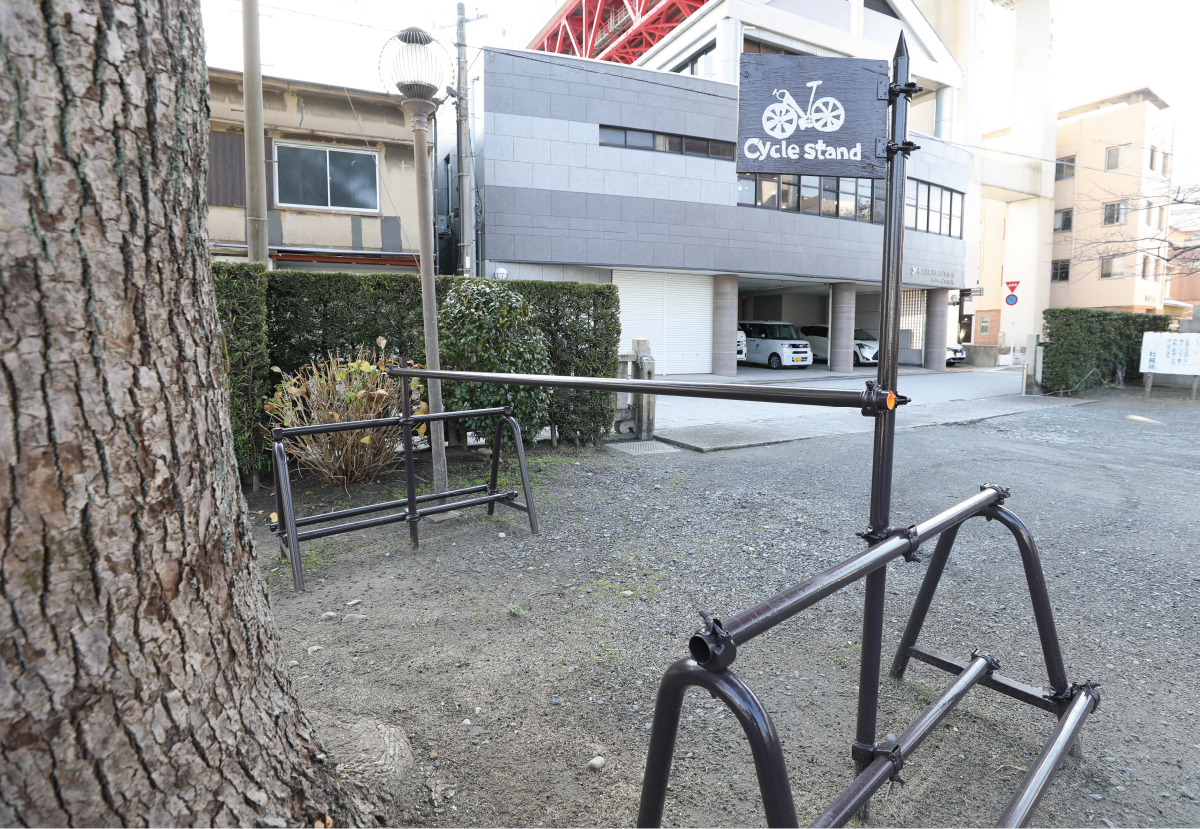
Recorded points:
(283,490)
(520,449)
(769,764)
(1042,612)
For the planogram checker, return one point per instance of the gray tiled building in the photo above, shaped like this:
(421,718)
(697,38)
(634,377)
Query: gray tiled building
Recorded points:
(597,171)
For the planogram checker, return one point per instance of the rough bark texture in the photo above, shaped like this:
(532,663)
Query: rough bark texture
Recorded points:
(140,674)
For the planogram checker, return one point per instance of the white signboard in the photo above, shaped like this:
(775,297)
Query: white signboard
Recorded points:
(1164,353)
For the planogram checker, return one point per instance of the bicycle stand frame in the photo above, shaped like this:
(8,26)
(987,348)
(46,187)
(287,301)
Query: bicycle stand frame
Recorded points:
(714,648)
(286,527)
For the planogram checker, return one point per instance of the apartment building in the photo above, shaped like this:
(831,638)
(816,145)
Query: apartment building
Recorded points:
(1108,224)
(340,179)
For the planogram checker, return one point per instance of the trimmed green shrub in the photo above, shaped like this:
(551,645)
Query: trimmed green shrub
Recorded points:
(242,305)
(1089,346)
(309,315)
(582,325)
(484,326)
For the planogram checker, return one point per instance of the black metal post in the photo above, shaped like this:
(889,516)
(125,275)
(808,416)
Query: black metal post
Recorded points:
(920,609)
(410,459)
(765,747)
(879,526)
(1020,809)
(889,758)
(525,485)
(494,481)
(283,493)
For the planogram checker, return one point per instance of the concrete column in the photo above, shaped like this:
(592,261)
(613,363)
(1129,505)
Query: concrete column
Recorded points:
(728,54)
(841,327)
(856,18)
(937,317)
(724,343)
(944,119)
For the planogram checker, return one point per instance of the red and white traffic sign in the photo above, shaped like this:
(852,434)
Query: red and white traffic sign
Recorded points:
(1012,287)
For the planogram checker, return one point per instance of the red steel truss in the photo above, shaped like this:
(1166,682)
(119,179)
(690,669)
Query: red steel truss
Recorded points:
(620,31)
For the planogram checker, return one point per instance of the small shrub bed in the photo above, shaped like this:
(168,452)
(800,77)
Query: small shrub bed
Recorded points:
(1089,347)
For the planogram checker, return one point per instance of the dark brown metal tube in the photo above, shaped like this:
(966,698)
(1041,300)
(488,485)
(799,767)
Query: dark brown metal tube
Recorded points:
(366,510)
(837,398)
(882,768)
(782,606)
(920,609)
(1020,809)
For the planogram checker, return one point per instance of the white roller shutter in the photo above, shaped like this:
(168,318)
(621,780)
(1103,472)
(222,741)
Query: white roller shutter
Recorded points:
(674,313)
(689,324)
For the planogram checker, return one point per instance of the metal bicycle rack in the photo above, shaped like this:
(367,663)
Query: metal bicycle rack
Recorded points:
(286,527)
(714,647)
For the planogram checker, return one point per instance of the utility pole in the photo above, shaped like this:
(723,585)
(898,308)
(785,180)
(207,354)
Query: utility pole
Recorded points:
(256,153)
(466,178)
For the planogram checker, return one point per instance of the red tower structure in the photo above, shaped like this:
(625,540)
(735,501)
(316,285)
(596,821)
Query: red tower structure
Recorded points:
(620,31)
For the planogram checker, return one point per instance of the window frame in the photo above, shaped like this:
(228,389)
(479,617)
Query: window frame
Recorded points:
(1115,271)
(1060,270)
(1064,168)
(327,148)
(1122,150)
(985,324)
(1064,220)
(1121,211)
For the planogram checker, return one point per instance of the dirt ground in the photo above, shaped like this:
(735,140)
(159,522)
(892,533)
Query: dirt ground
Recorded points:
(492,665)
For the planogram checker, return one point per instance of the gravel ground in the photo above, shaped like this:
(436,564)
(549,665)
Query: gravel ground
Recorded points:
(552,646)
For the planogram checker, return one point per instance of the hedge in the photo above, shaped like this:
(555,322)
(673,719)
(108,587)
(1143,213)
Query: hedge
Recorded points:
(310,314)
(242,305)
(1088,346)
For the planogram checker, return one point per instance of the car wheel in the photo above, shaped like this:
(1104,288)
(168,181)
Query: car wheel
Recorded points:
(774,362)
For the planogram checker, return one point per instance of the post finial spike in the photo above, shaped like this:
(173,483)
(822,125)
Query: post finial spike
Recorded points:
(901,47)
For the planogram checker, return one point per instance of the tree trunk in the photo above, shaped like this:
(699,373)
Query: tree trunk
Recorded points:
(141,677)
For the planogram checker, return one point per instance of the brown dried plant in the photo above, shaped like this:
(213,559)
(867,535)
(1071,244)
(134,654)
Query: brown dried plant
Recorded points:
(337,390)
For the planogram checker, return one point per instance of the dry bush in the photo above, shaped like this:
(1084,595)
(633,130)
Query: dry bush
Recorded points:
(336,390)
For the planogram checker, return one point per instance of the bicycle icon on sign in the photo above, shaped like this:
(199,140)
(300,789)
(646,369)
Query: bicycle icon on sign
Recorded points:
(782,119)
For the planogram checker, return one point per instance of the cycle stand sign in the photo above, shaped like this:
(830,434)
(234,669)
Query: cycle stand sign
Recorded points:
(816,116)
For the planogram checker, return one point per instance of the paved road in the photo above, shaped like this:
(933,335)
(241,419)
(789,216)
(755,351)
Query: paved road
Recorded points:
(937,399)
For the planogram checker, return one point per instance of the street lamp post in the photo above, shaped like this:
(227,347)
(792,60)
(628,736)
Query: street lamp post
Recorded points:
(417,72)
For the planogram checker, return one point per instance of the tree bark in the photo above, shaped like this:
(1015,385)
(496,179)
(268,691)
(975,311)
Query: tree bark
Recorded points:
(141,677)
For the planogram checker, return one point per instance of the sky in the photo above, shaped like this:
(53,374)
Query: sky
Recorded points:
(1101,48)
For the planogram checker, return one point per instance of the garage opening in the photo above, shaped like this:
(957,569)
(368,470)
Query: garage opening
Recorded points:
(674,312)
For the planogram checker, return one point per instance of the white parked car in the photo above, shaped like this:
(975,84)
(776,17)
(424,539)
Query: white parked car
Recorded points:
(866,347)
(775,343)
(955,354)
(741,345)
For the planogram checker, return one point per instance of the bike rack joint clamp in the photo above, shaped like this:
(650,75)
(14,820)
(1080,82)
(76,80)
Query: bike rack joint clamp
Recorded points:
(993,662)
(712,646)
(909,89)
(893,753)
(877,401)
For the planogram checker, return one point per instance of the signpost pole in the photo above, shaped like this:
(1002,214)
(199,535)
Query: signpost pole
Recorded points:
(898,148)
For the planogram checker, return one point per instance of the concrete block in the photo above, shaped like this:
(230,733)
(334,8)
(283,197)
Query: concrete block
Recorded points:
(699,216)
(617,183)
(565,248)
(500,246)
(552,176)
(637,210)
(604,112)
(583,132)
(533,150)
(567,107)
(638,254)
(569,204)
(636,116)
(535,202)
(685,190)
(701,126)
(670,213)
(498,199)
(670,120)
(535,248)
(603,252)
(639,161)
(549,85)
(603,206)
(698,256)
(699,169)
(499,99)
(603,158)
(528,102)
(668,256)
(513,173)
(586,180)
(653,187)
(716,192)
(568,153)
(518,126)
(500,148)
(552,129)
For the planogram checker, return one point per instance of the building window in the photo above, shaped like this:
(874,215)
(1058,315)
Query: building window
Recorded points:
(1060,270)
(746,189)
(311,175)
(768,190)
(810,194)
(985,324)
(1111,267)
(1062,219)
(930,208)
(1064,168)
(789,195)
(754,47)
(663,143)
(1118,158)
(1145,267)
(1115,213)
(700,64)
(1152,157)
(829,195)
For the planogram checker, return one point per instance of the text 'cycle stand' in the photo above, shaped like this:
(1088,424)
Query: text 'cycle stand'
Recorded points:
(286,527)
(714,648)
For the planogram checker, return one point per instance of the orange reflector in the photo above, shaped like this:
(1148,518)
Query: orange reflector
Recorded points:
(891,400)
